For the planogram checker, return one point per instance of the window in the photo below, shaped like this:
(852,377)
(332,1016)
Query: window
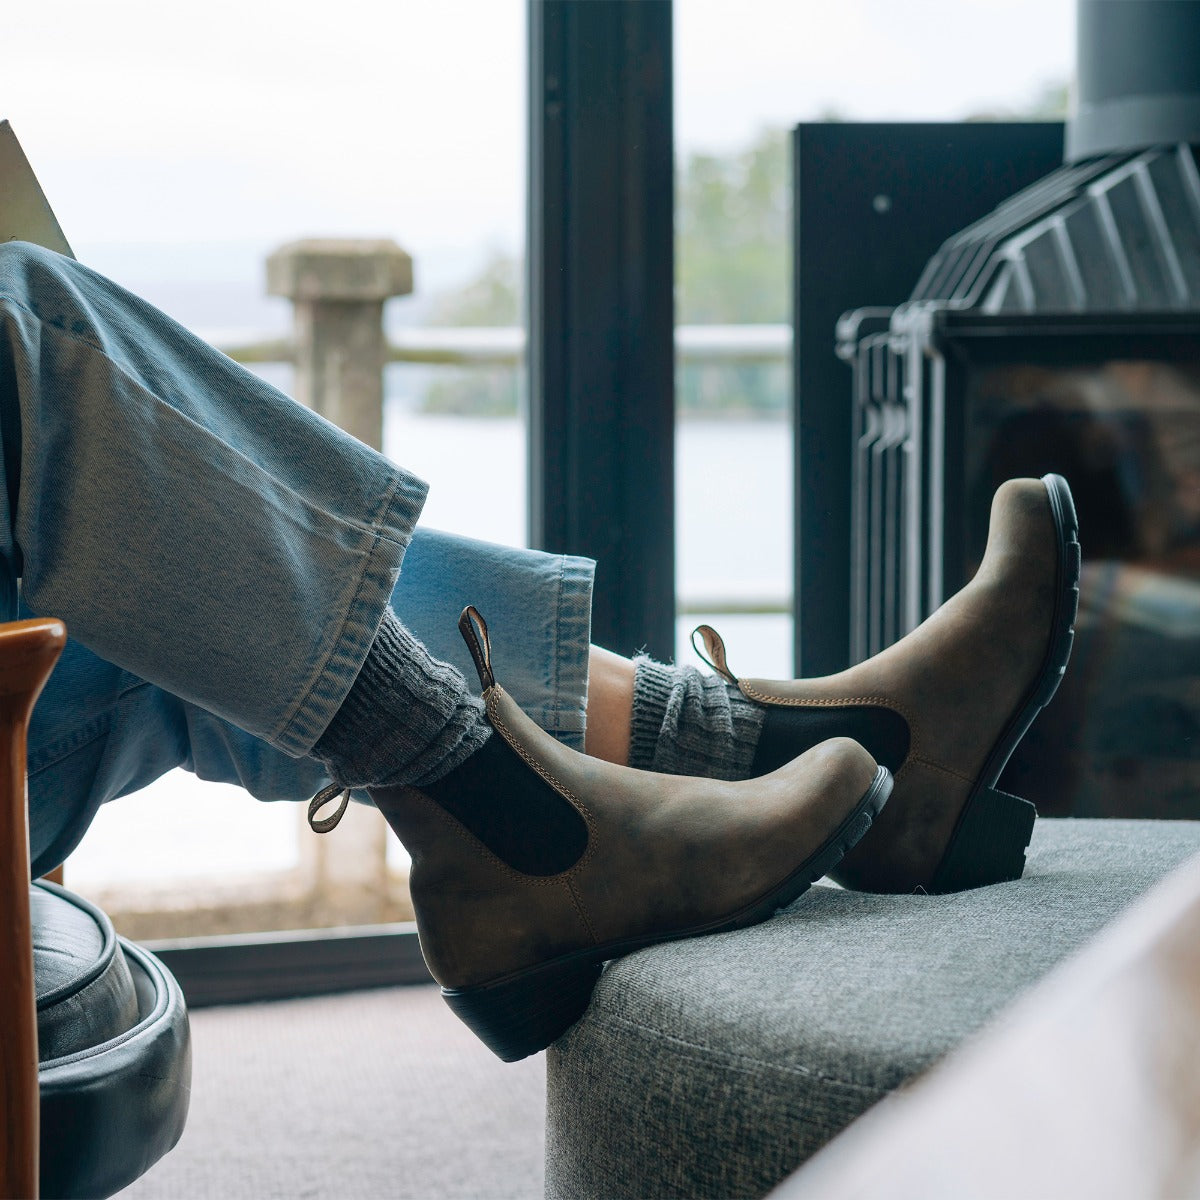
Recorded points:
(180,144)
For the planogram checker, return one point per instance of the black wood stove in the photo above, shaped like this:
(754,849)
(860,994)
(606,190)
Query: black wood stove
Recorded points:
(1062,333)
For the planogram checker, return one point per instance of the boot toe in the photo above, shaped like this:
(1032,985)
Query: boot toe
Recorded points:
(838,772)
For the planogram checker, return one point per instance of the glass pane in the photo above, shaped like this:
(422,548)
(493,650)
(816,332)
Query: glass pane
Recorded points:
(459,429)
(734,530)
(744,76)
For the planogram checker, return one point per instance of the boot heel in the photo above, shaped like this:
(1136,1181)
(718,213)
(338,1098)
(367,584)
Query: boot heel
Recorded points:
(519,1016)
(989,844)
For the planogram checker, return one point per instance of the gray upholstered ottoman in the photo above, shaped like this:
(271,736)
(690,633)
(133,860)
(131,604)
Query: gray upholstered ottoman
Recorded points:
(714,1067)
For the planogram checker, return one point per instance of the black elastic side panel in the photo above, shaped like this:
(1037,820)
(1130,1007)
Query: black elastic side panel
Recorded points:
(517,815)
(789,732)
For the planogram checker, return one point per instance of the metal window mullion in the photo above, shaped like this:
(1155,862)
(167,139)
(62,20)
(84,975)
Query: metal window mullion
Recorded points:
(601,313)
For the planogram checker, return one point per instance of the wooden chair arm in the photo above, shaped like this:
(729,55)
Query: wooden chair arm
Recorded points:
(28,651)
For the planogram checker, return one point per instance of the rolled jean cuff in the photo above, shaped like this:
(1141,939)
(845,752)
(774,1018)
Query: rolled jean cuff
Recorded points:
(538,607)
(370,592)
(564,712)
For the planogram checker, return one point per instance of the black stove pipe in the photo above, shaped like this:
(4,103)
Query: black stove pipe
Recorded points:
(1138,80)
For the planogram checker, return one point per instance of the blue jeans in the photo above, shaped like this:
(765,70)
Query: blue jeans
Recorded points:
(222,558)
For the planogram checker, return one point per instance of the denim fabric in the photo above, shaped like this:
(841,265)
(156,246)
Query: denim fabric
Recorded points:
(221,556)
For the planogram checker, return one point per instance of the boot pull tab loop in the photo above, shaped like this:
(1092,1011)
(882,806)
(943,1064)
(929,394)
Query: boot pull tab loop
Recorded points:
(318,802)
(475,633)
(713,652)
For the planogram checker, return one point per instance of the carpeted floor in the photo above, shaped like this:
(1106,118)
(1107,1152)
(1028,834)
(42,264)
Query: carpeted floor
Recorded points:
(372,1094)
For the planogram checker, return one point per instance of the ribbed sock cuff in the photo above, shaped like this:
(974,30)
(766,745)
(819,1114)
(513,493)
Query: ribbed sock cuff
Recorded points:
(653,683)
(686,722)
(408,719)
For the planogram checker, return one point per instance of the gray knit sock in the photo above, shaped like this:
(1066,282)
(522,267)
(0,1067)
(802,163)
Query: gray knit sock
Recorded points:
(688,723)
(408,719)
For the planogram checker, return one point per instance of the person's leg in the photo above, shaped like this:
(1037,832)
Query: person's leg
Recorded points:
(609,706)
(205,534)
(674,719)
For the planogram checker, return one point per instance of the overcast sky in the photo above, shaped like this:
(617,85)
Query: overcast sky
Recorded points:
(214,129)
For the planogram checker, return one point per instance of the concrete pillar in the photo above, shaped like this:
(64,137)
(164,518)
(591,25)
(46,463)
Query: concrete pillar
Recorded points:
(338,288)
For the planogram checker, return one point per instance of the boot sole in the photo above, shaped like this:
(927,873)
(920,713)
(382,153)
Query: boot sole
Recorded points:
(522,1013)
(989,842)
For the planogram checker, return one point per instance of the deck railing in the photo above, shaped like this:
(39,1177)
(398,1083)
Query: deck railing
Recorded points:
(490,346)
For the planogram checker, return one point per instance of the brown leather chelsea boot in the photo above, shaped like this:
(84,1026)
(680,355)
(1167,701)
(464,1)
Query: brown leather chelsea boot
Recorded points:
(945,707)
(525,886)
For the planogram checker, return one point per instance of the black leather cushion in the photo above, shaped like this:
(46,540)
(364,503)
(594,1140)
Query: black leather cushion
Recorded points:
(85,994)
(111,1107)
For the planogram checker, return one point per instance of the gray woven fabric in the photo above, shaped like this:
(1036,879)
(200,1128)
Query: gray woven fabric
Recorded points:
(687,722)
(409,718)
(716,1066)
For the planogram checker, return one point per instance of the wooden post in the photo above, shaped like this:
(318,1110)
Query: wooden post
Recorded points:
(338,289)
(28,651)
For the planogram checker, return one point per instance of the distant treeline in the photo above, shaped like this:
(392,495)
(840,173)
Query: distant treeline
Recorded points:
(732,265)
(732,268)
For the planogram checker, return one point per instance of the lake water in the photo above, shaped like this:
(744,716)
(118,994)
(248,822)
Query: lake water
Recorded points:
(734,504)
